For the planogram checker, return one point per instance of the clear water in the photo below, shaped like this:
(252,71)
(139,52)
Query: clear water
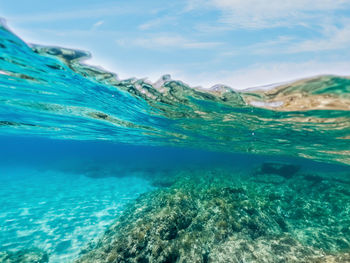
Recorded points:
(98,169)
(58,211)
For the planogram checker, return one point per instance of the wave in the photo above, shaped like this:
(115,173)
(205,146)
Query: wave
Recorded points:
(49,91)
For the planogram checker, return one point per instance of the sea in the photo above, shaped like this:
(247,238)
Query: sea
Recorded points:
(94,168)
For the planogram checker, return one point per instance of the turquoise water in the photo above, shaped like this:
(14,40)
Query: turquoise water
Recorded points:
(57,211)
(98,169)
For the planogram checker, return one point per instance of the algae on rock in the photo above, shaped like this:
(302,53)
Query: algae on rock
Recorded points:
(217,216)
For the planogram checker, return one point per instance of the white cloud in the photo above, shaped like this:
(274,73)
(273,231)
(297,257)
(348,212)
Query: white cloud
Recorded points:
(157,22)
(334,39)
(149,24)
(256,14)
(273,46)
(195,4)
(97,24)
(91,12)
(170,41)
(265,74)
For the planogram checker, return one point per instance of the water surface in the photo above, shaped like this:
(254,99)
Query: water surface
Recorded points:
(98,169)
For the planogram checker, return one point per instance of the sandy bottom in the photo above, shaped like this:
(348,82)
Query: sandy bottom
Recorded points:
(60,212)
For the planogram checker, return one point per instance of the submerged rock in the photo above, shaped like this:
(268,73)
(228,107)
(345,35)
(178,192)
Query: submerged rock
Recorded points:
(33,255)
(282,169)
(213,217)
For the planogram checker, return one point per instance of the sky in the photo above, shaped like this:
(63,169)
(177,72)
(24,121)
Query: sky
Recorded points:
(239,43)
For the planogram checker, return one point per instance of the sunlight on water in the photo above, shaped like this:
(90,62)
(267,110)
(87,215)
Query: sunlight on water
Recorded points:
(98,169)
(47,91)
(59,212)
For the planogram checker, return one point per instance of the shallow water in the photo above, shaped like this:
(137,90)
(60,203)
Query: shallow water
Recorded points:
(59,212)
(61,196)
(97,169)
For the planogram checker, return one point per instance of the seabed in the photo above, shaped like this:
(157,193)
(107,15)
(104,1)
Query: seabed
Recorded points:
(276,212)
(83,179)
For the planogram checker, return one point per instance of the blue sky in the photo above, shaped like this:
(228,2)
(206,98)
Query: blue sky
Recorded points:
(240,43)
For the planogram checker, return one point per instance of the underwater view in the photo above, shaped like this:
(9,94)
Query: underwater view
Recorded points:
(94,168)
